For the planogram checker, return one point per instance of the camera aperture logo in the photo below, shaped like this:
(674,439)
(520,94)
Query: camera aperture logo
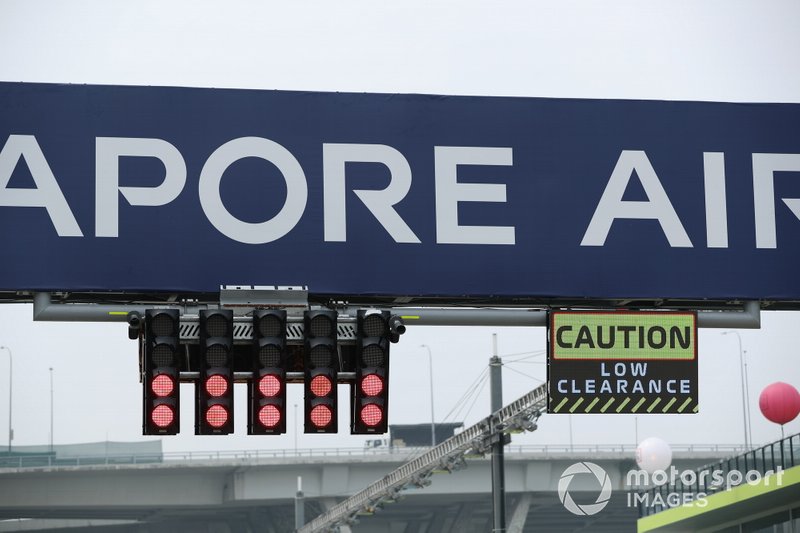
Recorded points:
(602,498)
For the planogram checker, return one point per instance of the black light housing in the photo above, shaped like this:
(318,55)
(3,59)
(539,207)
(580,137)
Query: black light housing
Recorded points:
(267,389)
(214,390)
(161,372)
(370,392)
(321,365)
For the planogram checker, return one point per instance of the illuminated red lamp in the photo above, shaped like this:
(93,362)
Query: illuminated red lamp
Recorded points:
(162,385)
(269,416)
(162,415)
(216,416)
(269,386)
(321,416)
(371,414)
(321,385)
(216,385)
(371,385)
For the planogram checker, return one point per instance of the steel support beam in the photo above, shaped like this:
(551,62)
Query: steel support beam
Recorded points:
(45,310)
(498,462)
(748,318)
(421,316)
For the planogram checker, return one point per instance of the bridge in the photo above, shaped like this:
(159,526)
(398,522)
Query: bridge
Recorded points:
(253,491)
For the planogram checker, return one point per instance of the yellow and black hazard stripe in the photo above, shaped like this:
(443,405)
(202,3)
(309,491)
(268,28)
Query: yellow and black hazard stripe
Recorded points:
(665,404)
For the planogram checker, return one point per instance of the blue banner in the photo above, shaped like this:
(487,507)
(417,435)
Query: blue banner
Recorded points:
(178,189)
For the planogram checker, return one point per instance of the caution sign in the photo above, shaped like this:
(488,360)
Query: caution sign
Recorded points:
(641,362)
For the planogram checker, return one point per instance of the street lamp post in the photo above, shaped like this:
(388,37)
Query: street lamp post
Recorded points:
(747,392)
(744,386)
(10,381)
(430,371)
(51,409)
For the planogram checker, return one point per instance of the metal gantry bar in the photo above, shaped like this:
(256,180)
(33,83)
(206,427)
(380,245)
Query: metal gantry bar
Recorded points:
(449,455)
(45,310)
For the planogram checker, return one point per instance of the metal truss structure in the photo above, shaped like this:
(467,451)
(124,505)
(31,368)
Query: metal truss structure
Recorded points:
(450,455)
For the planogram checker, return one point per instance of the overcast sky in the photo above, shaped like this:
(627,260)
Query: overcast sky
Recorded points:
(672,50)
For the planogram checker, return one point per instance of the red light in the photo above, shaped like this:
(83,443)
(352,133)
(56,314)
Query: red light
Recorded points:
(216,416)
(371,415)
(372,384)
(162,385)
(269,416)
(321,416)
(216,385)
(269,385)
(321,385)
(162,416)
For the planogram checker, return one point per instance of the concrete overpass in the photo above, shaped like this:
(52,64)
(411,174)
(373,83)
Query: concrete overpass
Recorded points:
(253,492)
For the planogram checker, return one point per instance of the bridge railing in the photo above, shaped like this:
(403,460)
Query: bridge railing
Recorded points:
(51,460)
(39,460)
(404,451)
(750,466)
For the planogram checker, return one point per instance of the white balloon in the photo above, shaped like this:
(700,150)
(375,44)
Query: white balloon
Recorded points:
(653,454)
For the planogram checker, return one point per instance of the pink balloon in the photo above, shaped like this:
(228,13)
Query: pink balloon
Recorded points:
(779,403)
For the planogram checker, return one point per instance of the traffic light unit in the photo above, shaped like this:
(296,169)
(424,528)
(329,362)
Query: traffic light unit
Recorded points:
(161,372)
(370,391)
(321,365)
(214,411)
(266,413)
